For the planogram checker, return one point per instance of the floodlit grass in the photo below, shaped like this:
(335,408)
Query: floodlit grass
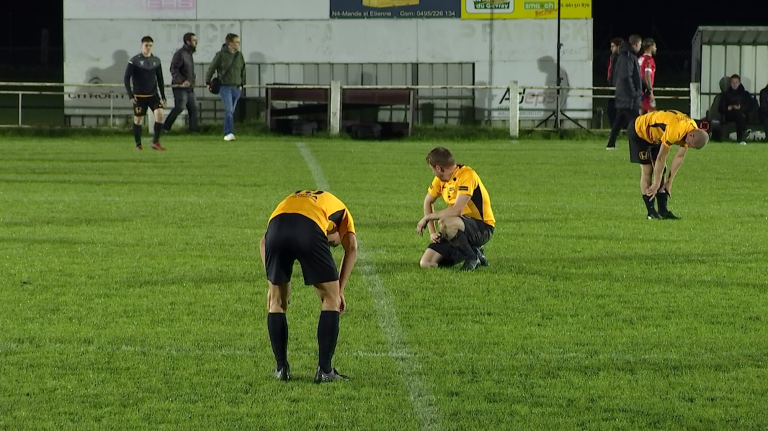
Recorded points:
(131,295)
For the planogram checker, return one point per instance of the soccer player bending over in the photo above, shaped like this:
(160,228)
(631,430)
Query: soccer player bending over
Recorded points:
(301,228)
(468,222)
(651,136)
(146,73)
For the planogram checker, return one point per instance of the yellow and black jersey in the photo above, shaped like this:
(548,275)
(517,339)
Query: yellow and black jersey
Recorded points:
(665,127)
(319,206)
(465,181)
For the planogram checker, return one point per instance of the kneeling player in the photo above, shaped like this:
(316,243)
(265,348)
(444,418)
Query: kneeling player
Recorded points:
(651,137)
(301,228)
(468,222)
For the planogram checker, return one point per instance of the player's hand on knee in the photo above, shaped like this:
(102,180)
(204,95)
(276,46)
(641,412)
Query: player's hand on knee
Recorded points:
(436,237)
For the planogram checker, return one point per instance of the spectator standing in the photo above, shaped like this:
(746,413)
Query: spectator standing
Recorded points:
(629,87)
(611,106)
(183,83)
(229,67)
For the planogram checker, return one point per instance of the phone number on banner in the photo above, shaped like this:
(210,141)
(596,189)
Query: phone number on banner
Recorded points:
(395,14)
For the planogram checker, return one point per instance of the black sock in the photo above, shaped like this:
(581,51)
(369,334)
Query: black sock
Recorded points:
(649,204)
(137,133)
(158,130)
(662,197)
(327,335)
(278,335)
(461,242)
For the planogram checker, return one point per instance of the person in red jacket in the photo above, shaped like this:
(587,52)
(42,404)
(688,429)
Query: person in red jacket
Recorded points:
(648,71)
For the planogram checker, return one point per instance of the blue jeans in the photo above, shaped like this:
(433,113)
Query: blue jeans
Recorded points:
(230,96)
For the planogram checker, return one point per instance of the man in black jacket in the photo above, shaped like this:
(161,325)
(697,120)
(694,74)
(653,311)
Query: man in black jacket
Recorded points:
(183,82)
(611,105)
(763,112)
(735,104)
(629,87)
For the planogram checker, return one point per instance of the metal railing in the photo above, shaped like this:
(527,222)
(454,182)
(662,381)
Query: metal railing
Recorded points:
(692,94)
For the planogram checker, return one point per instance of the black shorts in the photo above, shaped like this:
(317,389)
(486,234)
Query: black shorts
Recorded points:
(144,103)
(478,234)
(640,150)
(292,237)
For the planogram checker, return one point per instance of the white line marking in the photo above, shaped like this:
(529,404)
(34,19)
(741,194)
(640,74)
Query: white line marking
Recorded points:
(421,397)
(314,167)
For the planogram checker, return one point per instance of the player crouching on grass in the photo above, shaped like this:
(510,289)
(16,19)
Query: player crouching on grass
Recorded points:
(651,136)
(301,228)
(468,222)
(146,73)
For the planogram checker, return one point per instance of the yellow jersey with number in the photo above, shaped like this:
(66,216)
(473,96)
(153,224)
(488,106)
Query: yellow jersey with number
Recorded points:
(465,181)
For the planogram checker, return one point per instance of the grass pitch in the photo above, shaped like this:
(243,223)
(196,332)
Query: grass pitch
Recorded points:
(132,297)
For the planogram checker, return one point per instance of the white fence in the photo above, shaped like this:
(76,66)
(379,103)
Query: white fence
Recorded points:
(335,105)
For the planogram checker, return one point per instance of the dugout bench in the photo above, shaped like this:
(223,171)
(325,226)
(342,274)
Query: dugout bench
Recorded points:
(313,111)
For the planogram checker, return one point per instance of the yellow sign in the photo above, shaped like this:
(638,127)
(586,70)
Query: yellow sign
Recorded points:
(525,9)
(389,3)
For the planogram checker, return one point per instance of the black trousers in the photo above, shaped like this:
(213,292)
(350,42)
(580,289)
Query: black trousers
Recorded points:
(737,117)
(610,109)
(183,98)
(624,117)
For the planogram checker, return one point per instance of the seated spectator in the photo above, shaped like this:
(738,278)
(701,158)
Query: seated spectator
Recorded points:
(762,112)
(735,105)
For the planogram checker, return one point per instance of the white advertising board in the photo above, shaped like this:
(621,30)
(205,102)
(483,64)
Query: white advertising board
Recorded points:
(130,9)
(97,50)
(263,9)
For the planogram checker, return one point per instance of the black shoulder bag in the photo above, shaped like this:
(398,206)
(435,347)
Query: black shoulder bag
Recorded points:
(216,82)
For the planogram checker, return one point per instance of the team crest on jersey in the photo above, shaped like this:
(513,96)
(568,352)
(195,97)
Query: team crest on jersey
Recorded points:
(141,62)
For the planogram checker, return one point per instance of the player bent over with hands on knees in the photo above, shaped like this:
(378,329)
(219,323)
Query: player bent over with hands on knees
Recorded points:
(301,228)
(651,137)
(466,225)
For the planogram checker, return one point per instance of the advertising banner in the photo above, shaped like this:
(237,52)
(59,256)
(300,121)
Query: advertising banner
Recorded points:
(363,9)
(525,9)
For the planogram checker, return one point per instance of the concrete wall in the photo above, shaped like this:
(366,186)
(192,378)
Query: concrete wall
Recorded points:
(295,41)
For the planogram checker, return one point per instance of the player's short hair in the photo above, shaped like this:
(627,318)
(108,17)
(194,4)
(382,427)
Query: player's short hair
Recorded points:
(635,39)
(702,137)
(146,39)
(736,76)
(617,41)
(648,42)
(188,37)
(440,156)
(231,36)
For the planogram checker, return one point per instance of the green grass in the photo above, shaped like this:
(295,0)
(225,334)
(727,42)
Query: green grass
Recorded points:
(131,295)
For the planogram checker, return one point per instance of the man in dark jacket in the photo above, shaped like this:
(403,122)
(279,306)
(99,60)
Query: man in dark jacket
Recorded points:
(629,87)
(229,66)
(763,112)
(735,104)
(611,105)
(183,82)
